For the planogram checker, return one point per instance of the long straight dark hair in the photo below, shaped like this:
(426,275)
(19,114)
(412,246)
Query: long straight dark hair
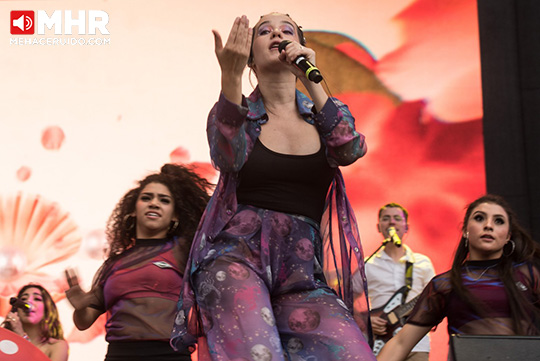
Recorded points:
(526,250)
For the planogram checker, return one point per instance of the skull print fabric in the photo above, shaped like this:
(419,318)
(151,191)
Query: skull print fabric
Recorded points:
(254,287)
(262,296)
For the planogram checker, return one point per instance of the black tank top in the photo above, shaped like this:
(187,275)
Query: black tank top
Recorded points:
(295,184)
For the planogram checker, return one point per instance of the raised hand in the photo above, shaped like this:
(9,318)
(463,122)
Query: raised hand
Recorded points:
(75,295)
(233,57)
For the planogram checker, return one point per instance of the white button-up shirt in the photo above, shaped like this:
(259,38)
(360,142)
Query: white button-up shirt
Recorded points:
(385,276)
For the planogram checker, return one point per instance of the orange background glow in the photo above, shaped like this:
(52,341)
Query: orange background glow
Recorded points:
(80,124)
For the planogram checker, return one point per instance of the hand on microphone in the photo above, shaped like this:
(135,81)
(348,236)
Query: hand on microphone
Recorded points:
(311,71)
(394,236)
(17,303)
(12,321)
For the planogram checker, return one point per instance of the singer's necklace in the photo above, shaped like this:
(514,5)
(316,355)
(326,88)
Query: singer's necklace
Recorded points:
(481,274)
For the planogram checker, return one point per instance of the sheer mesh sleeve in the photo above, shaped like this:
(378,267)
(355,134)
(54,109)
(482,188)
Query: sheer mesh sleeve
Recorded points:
(431,307)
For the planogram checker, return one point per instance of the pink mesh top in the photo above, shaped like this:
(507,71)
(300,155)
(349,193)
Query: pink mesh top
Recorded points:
(139,291)
(482,280)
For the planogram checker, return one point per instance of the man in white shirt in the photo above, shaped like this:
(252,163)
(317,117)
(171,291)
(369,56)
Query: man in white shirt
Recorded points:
(396,267)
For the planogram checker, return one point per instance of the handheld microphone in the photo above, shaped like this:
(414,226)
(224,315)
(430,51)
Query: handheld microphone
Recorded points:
(394,237)
(17,303)
(311,71)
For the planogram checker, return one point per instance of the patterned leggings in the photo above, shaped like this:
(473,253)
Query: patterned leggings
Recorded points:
(259,297)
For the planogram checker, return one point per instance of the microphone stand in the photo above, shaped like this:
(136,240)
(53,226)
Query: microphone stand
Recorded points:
(377,250)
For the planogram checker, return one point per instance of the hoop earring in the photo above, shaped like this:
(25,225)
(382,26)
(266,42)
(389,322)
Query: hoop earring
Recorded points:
(466,239)
(513,248)
(173,227)
(129,222)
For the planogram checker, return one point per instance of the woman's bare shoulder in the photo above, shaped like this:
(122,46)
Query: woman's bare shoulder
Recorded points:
(55,349)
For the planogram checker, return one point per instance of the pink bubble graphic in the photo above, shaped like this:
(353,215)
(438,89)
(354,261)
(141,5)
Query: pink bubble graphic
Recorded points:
(52,138)
(23,173)
(179,155)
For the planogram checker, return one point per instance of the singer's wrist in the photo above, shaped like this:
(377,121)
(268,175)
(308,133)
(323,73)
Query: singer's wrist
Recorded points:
(231,80)
(231,87)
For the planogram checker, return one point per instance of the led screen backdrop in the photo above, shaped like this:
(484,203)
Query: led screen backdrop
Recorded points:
(84,115)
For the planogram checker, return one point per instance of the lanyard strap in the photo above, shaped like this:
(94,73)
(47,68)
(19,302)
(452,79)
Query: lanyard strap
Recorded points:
(408,278)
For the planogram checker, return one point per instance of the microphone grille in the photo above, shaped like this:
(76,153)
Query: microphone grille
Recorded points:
(283,45)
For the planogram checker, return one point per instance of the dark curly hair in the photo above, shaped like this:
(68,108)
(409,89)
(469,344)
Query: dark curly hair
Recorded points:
(50,324)
(525,250)
(189,191)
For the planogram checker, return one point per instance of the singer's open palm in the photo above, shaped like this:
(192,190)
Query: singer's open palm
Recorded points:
(234,55)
